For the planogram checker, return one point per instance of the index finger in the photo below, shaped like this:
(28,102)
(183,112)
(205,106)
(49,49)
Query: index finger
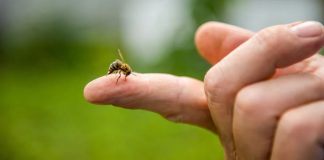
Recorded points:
(179,99)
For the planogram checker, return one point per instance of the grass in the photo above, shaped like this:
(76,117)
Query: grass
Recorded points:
(43,116)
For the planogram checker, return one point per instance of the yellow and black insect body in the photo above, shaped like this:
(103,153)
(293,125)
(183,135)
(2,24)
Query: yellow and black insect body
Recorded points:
(119,67)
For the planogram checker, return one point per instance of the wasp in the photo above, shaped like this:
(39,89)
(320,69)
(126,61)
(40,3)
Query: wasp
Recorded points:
(120,67)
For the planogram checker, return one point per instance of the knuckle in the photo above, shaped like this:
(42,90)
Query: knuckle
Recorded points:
(318,83)
(268,38)
(249,102)
(274,39)
(294,125)
(215,81)
(177,118)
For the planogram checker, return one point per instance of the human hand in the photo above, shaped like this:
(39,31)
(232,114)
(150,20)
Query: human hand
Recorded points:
(259,96)
(179,99)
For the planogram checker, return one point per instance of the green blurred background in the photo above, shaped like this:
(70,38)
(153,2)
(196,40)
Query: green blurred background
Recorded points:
(49,50)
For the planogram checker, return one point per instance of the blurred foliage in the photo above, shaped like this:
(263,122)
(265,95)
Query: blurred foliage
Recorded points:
(51,45)
(183,59)
(44,67)
(54,45)
(207,10)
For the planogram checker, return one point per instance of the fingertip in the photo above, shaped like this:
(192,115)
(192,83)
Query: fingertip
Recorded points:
(87,94)
(207,41)
(214,40)
(92,92)
(106,89)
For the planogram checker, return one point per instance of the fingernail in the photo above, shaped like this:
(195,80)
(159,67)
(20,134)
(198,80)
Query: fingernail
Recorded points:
(308,29)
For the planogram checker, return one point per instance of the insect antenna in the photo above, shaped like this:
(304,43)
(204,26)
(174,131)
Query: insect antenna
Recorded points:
(121,56)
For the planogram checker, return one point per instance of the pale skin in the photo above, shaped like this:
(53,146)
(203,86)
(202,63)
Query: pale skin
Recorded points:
(265,99)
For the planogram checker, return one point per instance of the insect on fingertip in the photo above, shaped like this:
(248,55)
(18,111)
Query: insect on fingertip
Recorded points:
(120,67)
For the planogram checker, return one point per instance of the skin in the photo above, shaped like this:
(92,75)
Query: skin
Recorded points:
(264,99)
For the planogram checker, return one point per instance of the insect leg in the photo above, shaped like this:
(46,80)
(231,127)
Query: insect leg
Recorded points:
(119,72)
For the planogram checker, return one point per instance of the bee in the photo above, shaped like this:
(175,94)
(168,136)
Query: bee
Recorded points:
(120,67)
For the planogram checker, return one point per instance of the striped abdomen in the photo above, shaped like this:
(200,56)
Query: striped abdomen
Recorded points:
(115,66)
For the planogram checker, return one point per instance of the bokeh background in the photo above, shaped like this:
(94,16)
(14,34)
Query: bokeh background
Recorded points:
(50,49)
